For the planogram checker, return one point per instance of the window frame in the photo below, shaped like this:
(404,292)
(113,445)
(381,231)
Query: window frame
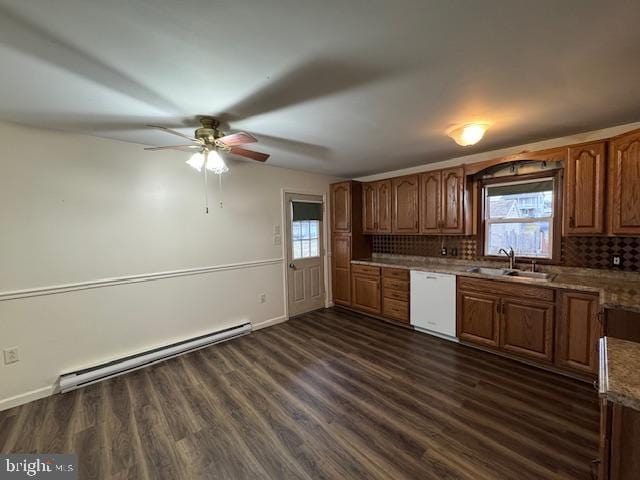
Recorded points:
(555,226)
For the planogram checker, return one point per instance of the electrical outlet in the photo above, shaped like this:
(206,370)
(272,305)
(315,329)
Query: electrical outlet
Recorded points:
(276,229)
(616,260)
(11,355)
(263,298)
(454,252)
(277,240)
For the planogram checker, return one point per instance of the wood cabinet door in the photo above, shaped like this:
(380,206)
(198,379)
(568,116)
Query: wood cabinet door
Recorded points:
(405,204)
(383,206)
(452,203)
(478,318)
(584,190)
(430,198)
(624,184)
(624,456)
(341,207)
(369,208)
(578,332)
(341,269)
(366,294)
(526,328)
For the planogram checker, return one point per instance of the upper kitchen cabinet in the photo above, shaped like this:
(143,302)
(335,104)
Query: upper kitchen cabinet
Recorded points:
(585,189)
(404,199)
(430,200)
(624,184)
(341,207)
(442,202)
(453,201)
(376,207)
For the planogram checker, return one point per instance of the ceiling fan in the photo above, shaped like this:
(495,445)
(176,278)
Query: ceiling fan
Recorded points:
(207,142)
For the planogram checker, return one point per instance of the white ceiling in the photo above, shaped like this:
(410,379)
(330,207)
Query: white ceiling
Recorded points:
(356,87)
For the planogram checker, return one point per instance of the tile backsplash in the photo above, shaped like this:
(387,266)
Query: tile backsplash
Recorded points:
(585,252)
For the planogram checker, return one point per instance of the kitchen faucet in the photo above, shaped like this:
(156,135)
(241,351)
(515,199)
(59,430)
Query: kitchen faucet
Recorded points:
(511,255)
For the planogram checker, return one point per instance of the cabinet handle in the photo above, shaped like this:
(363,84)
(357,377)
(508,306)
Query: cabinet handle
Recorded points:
(498,307)
(502,308)
(572,221)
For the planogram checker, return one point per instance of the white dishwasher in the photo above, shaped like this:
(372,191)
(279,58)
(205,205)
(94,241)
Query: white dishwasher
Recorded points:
(433,303)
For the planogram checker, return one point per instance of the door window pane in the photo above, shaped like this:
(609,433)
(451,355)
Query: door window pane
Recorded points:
(306,239)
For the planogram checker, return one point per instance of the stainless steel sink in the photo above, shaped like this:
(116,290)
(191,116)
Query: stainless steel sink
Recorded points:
(498,272)
(531,275)
(505,272)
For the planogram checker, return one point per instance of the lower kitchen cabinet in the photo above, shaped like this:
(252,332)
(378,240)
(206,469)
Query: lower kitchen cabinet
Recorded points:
(619,442)
(526,328)
(578,331)
(365,289)
(478,318)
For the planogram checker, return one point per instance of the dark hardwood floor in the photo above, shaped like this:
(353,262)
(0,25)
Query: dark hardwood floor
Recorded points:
(331,395)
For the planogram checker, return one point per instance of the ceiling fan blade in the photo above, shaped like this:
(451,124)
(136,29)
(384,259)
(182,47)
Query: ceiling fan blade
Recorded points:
(314,79)
(174,147)
(174,132)
(239,138)
(243,152)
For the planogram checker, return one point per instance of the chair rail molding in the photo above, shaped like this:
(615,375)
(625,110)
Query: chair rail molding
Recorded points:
(128,279)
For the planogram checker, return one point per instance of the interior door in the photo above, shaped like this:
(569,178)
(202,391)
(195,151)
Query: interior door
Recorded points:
(305,253)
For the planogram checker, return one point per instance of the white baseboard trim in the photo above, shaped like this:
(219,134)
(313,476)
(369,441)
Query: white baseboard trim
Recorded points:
(269,323)
(10,402)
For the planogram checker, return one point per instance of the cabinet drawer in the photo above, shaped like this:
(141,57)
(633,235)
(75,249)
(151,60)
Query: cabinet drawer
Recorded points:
(505,288)
(396,294)
(395,309)
(397,273)
(365,270)
(394,284)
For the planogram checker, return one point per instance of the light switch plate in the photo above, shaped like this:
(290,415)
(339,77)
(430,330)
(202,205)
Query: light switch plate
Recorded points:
(11,355)
(276,229)
(277,240)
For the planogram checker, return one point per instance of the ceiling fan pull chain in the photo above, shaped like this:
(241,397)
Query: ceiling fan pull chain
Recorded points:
(220,187)
(206,193)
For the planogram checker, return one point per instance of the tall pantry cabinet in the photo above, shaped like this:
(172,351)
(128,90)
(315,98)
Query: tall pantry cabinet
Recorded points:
(347,239)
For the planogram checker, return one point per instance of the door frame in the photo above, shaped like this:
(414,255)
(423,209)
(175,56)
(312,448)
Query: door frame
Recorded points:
(325,245)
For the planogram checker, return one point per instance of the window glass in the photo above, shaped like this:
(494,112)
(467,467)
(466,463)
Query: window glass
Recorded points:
(306,239)
(519,215)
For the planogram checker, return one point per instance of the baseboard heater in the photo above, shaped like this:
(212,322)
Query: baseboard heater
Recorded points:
(80,378)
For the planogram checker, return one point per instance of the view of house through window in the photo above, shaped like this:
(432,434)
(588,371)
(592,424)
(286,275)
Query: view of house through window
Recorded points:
(306,238)
(519,215)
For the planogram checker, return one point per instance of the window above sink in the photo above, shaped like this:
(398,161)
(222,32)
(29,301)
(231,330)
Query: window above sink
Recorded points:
(522,212)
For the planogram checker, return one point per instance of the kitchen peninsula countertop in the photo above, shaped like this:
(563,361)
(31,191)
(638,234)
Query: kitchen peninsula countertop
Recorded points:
(617,290)
(619,374)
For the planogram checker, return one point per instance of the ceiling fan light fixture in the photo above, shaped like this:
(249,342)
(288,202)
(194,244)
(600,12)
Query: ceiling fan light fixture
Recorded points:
(468,134)
(216,164)
(196,161)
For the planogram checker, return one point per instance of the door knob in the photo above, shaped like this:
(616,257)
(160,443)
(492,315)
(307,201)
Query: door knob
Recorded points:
(292,266)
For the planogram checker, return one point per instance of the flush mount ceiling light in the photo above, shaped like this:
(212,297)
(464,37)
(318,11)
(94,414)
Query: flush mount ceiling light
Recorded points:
(468,134)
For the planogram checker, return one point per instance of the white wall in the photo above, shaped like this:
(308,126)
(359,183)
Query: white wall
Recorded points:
(529,147)
(75,208)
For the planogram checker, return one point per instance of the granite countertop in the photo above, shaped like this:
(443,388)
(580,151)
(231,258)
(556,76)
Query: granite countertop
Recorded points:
(619,374)
(617,290)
